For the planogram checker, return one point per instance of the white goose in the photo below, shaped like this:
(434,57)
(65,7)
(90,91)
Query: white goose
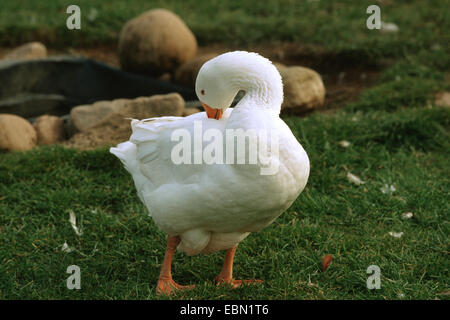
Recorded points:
(209,206)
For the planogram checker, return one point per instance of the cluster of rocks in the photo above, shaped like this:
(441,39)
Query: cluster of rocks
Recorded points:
(158,44)
(18,134)
(88,126)
(108,122)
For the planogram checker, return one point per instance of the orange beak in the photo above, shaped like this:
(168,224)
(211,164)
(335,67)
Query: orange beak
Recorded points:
(212,113)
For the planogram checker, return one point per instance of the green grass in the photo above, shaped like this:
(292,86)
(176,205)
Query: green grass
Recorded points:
(404,84)
(398,137)
(339,26)
(121,249)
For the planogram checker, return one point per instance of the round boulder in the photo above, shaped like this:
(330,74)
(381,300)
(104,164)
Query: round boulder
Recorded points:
(303,89)
(28,51)
(186,74)
(16,133)
(49,129)
(155,42)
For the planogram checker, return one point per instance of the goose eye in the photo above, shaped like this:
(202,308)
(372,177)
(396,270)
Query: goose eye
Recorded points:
(202,92)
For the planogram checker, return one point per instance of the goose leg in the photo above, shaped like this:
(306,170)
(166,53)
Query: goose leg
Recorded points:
(226,275)
(165,284)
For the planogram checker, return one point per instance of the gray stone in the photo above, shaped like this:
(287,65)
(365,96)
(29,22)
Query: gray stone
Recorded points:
(116,127)
(83,118)
(86,116)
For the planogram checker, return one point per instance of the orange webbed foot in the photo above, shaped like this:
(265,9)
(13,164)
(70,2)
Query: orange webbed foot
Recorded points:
(169,287)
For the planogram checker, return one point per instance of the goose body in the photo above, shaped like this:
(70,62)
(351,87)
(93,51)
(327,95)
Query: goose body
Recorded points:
(213,205)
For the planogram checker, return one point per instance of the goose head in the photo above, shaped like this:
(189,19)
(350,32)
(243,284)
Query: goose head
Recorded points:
(221,78)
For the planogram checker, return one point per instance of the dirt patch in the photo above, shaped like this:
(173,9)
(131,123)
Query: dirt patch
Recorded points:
(106,54)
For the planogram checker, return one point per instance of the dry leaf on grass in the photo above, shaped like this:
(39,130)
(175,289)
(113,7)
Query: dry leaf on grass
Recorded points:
(326,261)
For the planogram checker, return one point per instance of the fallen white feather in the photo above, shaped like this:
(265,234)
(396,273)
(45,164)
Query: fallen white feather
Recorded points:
(65,248)
(389,27)
(387,189)
(73,222)
(344,143)
(407,215)
(396,234)
(355,179)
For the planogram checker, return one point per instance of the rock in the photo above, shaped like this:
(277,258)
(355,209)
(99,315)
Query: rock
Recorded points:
(442,99)
(155,106)
(49,129)
(16,133)
(28,51)
(56,84)
(116,127)
(155,42)
(190,111)
(303,89)
(186,74)
(86,116)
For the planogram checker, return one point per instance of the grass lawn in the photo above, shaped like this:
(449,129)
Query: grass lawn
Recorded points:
(340,26)
(398,138)
(121,249)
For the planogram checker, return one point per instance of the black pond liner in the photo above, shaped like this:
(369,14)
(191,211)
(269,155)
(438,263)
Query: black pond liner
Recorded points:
(54,85)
